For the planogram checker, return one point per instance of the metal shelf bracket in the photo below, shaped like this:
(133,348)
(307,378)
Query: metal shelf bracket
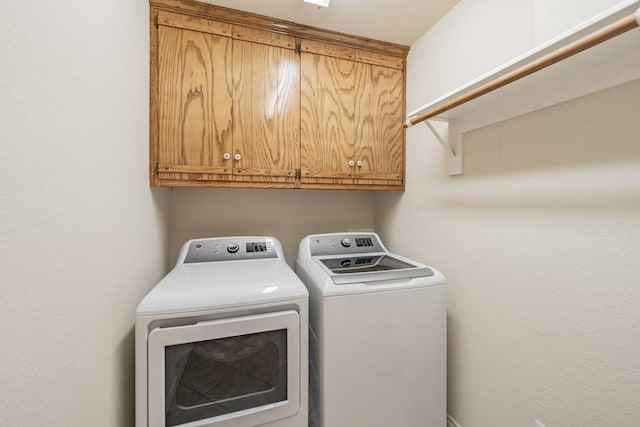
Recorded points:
(451,139)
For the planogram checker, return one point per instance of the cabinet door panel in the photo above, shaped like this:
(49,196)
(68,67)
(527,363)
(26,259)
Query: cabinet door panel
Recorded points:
(194,85)
(266,112)
(328,91)
(379,132)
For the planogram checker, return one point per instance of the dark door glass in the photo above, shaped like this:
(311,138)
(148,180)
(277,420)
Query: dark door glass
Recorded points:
(207,379)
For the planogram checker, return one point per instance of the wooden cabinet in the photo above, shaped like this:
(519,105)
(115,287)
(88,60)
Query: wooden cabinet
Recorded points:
(351,112)
(379,132)
(194,103)
(266,108)
(227,106)
(241,100)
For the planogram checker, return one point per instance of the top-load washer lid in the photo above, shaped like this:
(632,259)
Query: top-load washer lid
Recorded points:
(361,258)
(371,268)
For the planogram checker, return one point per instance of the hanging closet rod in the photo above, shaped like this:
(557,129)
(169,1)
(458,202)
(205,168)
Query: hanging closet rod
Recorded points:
(621,26)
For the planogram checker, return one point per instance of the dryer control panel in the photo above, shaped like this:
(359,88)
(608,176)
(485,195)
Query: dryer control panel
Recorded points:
(229,249)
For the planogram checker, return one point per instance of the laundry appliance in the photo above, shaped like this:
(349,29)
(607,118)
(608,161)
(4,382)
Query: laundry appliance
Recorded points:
(377,334)
(222,340)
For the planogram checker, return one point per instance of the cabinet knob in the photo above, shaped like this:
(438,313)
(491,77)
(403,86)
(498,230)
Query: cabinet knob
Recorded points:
(226,156)
(359,163)
(237,156)
(351,163)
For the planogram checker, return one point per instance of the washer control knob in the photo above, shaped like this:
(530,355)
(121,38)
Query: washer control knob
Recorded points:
(232,248)
(346,242)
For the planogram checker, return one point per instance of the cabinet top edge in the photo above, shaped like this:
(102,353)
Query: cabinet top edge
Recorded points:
(238,17)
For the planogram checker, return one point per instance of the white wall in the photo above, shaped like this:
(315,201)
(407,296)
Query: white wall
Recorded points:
(552,17)
(543,306)
(461,46)
(538,238)
(288,215)
(82,235)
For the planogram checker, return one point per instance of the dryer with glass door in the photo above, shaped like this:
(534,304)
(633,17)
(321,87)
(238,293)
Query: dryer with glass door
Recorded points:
(222,340)
(377,340)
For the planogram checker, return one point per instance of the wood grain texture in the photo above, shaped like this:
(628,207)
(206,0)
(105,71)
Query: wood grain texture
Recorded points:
(328,100)
(195,100)
(223,81)
(347,185)
(208,11)
(376,58)
(187,22)
(266,110)
(379,131)
(224,184)
(193,169)
(265,37)
(346,52)
(327,49)
(351,112)
(153,98)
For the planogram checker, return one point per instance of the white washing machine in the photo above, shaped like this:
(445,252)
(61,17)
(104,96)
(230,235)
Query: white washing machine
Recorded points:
(377,334)
(222,340)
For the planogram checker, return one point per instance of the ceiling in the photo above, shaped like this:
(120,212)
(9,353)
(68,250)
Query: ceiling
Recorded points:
(395,21)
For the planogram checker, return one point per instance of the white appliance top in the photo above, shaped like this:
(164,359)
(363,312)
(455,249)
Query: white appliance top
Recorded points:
(340,263)
(224,272)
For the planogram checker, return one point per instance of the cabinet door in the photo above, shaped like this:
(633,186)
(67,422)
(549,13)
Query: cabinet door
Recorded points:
(235,105)
(266,112)
(379,132)
(194,105)
(328,103)
(352,111)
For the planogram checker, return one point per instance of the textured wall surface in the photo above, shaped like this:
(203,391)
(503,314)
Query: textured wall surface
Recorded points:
(288,215)
(538,238)
(82,237)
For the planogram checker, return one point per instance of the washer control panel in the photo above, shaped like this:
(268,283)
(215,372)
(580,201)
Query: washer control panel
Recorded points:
(347,243)
(229,249)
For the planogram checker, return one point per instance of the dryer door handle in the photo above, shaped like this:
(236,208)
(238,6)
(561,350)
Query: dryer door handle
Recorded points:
(246,319)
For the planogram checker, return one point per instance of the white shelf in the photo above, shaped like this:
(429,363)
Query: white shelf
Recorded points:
(613,62)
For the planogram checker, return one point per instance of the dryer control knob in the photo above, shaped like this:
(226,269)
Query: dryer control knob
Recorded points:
(232,248)
(346,242)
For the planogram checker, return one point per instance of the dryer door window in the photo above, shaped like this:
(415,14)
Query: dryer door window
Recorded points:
(229,372)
